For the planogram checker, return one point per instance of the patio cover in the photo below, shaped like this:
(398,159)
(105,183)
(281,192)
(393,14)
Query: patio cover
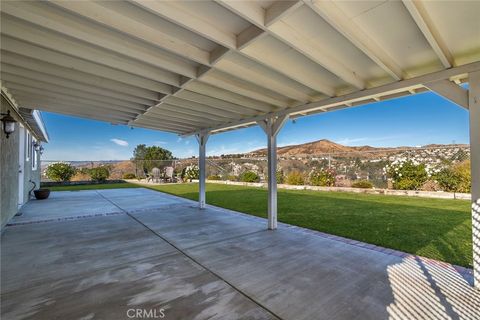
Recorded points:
(201,67)
(188,66)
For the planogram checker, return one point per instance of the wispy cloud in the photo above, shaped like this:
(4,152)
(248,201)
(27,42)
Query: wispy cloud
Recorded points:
(120,142)
(349,141)
(160,142)
(372,140)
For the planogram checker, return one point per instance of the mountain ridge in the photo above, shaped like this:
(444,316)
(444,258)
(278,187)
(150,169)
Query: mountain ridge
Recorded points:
(327,146)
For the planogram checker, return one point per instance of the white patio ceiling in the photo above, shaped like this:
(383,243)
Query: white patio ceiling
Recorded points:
(189,66)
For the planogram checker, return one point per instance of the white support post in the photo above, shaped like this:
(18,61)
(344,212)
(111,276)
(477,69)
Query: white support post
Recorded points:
(272,127)
(202,139)
(474,109)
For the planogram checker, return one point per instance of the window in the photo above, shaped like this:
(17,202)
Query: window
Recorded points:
(28,146)
(34,154)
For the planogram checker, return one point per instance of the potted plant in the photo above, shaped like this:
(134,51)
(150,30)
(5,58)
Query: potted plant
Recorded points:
(42,193)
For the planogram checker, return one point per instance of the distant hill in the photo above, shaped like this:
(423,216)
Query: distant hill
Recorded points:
(315,147)
(327,146)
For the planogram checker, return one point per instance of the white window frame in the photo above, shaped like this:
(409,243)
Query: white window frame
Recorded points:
(34,154)
(28,146)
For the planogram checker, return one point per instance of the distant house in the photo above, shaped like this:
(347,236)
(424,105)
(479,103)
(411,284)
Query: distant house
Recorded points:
(19,157)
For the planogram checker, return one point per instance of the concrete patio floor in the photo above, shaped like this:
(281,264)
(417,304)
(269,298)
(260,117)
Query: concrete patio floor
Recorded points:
(96,254)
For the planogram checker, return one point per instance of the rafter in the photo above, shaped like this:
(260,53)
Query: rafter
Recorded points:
(31,75)
(226,41)
(196,106)
(60,89)
(280,9)
(72,109)
(77,49)
(350,30)
(190,112)
(47,97)
(251,11)
(25,49)
(97,36)
(131,88)
(425,24)
(245,88)
(219,93)
(145,28)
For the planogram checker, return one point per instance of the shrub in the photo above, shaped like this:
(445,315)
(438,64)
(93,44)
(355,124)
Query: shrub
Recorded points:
(192,172)
(249,176)
(214,177)
(456,178)
(322,177)
(407,174)
(364,184)
(295,178)
(129,175)
(280,176)
(231,178)
(99,174)
(60,171)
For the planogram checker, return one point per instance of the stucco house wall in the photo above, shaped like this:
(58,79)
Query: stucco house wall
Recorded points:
(8,170)
(9,167)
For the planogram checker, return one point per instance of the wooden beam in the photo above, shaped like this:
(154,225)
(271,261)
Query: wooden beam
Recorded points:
(190,112)
(76,110)
(82,51)
(77,64)
(330,103)
(176,13)
(249,35)
(58,81)
(450,91)
(214,102)
(219,93)
(118,17)
(47,97)
(252,12)
(72,26)
(19,81)
(425,24)
(196,106)
(245,88)
(279,10)
(329,11)
(59,72)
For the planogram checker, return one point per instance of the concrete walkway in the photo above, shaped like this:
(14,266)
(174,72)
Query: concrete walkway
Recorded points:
(107,254)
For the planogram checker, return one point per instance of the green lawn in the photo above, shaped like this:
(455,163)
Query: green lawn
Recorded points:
(434,228)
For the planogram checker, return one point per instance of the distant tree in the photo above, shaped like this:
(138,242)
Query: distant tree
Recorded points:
(139,152)
(60,171)
(148,157)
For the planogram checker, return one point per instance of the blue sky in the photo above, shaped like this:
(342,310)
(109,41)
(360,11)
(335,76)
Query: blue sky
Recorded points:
(411,121)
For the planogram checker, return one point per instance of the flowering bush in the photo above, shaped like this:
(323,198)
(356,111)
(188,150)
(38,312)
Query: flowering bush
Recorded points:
(408,174)
(322,177)
(192,172)
(60,171)
(295,178)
